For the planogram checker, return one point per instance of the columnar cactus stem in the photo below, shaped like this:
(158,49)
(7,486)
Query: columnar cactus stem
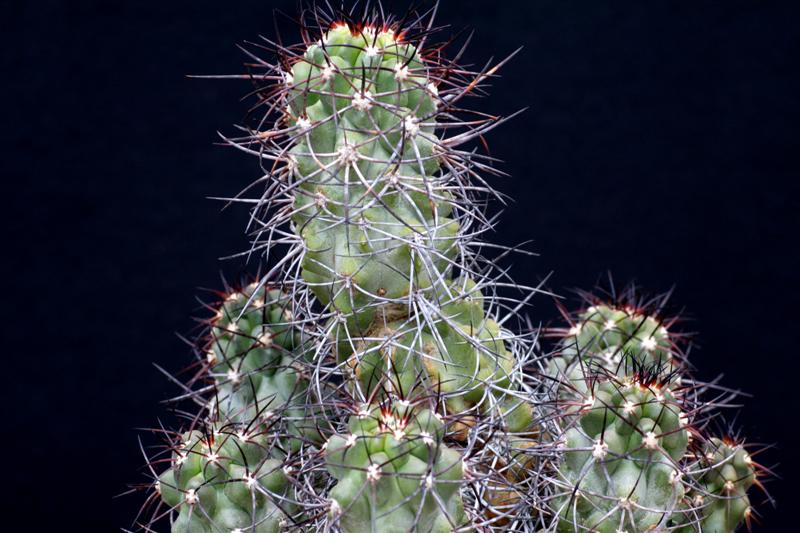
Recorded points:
(379,206)
(381,227)
(373,217)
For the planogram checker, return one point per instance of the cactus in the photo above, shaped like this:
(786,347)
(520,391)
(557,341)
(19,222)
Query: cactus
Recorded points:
(257,359)
(251,355)
(225,481)
(620,454)
(232,473)
(628,413)
(381,218)
(462,353)
(384,380)
(393,470)
(380,235)
(719,500)
(361,110)
(618,337)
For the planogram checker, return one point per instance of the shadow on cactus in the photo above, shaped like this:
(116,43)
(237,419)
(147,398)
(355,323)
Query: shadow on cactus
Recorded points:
(382,376)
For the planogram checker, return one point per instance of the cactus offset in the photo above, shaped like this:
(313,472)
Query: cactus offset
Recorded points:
(719,502)
(225,481)
(232,474)
(253,351)
(620,454)
(626,411)
(393,470)
(385,379)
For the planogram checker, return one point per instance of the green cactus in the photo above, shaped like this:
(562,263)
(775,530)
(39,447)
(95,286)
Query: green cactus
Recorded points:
(619,469)
(232,478)
(447,360)
(719,502)
(395,474)
(361,107)
(445,415)
(226,482)
(255,356)
(379,223)
(619,337)
(379,234)
(624,433)
(626,461)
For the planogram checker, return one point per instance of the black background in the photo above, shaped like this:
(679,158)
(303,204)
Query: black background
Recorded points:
(661,144)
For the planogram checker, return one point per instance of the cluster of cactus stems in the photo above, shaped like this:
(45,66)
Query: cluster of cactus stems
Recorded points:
(382,376)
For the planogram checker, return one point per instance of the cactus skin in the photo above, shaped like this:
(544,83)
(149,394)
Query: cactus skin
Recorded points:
(447,360)
(720,502)
(255,357)
(225,482)
(394,474)
(621,456)
(363,105)
(623,420)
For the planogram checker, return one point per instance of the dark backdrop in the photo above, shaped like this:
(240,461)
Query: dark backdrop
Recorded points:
(660,144)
